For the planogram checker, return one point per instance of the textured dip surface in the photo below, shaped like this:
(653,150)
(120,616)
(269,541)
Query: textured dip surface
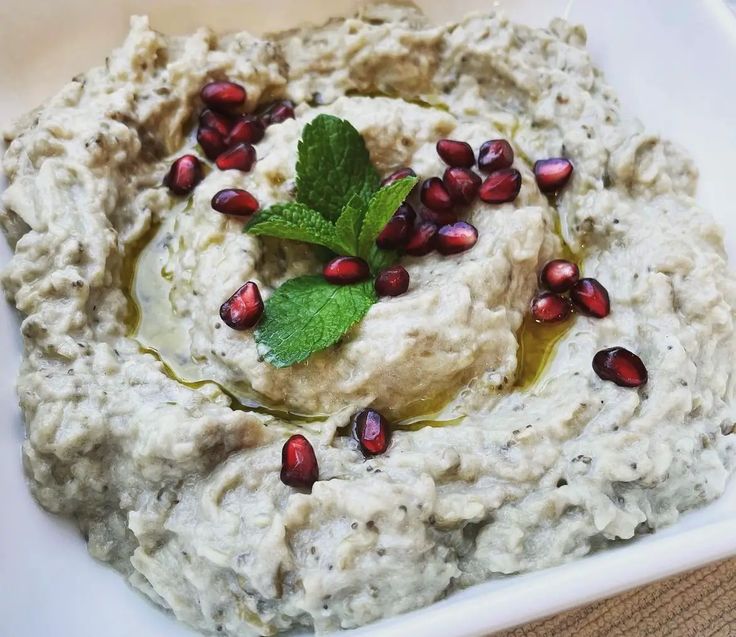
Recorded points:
(177,483)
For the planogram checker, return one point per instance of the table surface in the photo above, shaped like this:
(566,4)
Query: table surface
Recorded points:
(701,603)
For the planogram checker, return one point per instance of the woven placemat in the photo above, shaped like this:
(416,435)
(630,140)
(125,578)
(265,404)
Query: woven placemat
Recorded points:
(701,603)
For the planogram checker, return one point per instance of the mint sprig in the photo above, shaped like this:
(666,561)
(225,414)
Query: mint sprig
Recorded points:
(297,222)
(349,223)
(332,165)
(308,314)
(340,206)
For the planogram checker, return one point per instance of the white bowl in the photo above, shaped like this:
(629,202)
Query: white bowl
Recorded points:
(672,62)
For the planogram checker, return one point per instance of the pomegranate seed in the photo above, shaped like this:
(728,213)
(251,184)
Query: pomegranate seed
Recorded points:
(396,232)
(277,112)
(223,95)
(559,275)
(299,468)
(209,119)
(548,307)
(406,210)
(501,186)
(372,431)
(234,201)
(462,184)
(591,298)
(240,157)
(422,240)
(401,173)
(434,194)
(495,154)
(620,366)
(211,142)
(552,174)
(455,153)
(247,129)
(185,173)
(244,308)
(439,217)
(392,281)
(345,270)
(455,238)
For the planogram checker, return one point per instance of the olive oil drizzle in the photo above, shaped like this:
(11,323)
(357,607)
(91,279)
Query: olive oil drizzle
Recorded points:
(537,342)
(425,413)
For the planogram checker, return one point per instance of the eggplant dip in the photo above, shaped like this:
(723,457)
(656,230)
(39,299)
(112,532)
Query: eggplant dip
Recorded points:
(322,326)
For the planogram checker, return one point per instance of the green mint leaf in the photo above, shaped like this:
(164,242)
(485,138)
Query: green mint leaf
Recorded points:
(297,222)
(349,223)
(308,314)
(381,207)
(333,165)
(379,259)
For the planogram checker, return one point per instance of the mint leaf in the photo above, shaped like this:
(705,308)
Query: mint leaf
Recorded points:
(308,314)
(381,207)
(297,222)
(379,259)
(333,165)
(349,223)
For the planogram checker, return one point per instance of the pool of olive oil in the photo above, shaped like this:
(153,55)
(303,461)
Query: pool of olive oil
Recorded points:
(538,341)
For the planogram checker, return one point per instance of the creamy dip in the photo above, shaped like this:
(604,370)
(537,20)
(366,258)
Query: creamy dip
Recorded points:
(159,430)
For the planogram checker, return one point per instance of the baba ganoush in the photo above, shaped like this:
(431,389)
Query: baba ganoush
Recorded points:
(176,442)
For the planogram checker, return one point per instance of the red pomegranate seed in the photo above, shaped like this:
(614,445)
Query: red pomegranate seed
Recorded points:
(439,217)
(223,95)
(247,129)
(434,194)
(211,142)
(422,240)
(234,201)
(185,173)
(396,232)
(299,468)
(406,210)
(401,173)
(552,174)
(456,238)
(240,157)
(372,431)
(620,366)
(455,153)
(277,112)
(495,154)
(559,275)
(392,281)
(591,298)
(462,184)
(244,308)
(548,307)
(209,119)
(345,270)
(501,186)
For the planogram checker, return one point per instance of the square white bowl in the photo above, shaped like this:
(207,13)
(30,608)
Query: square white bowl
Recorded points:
(673,64)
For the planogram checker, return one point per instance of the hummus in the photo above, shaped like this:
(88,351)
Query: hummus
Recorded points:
(159,430)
